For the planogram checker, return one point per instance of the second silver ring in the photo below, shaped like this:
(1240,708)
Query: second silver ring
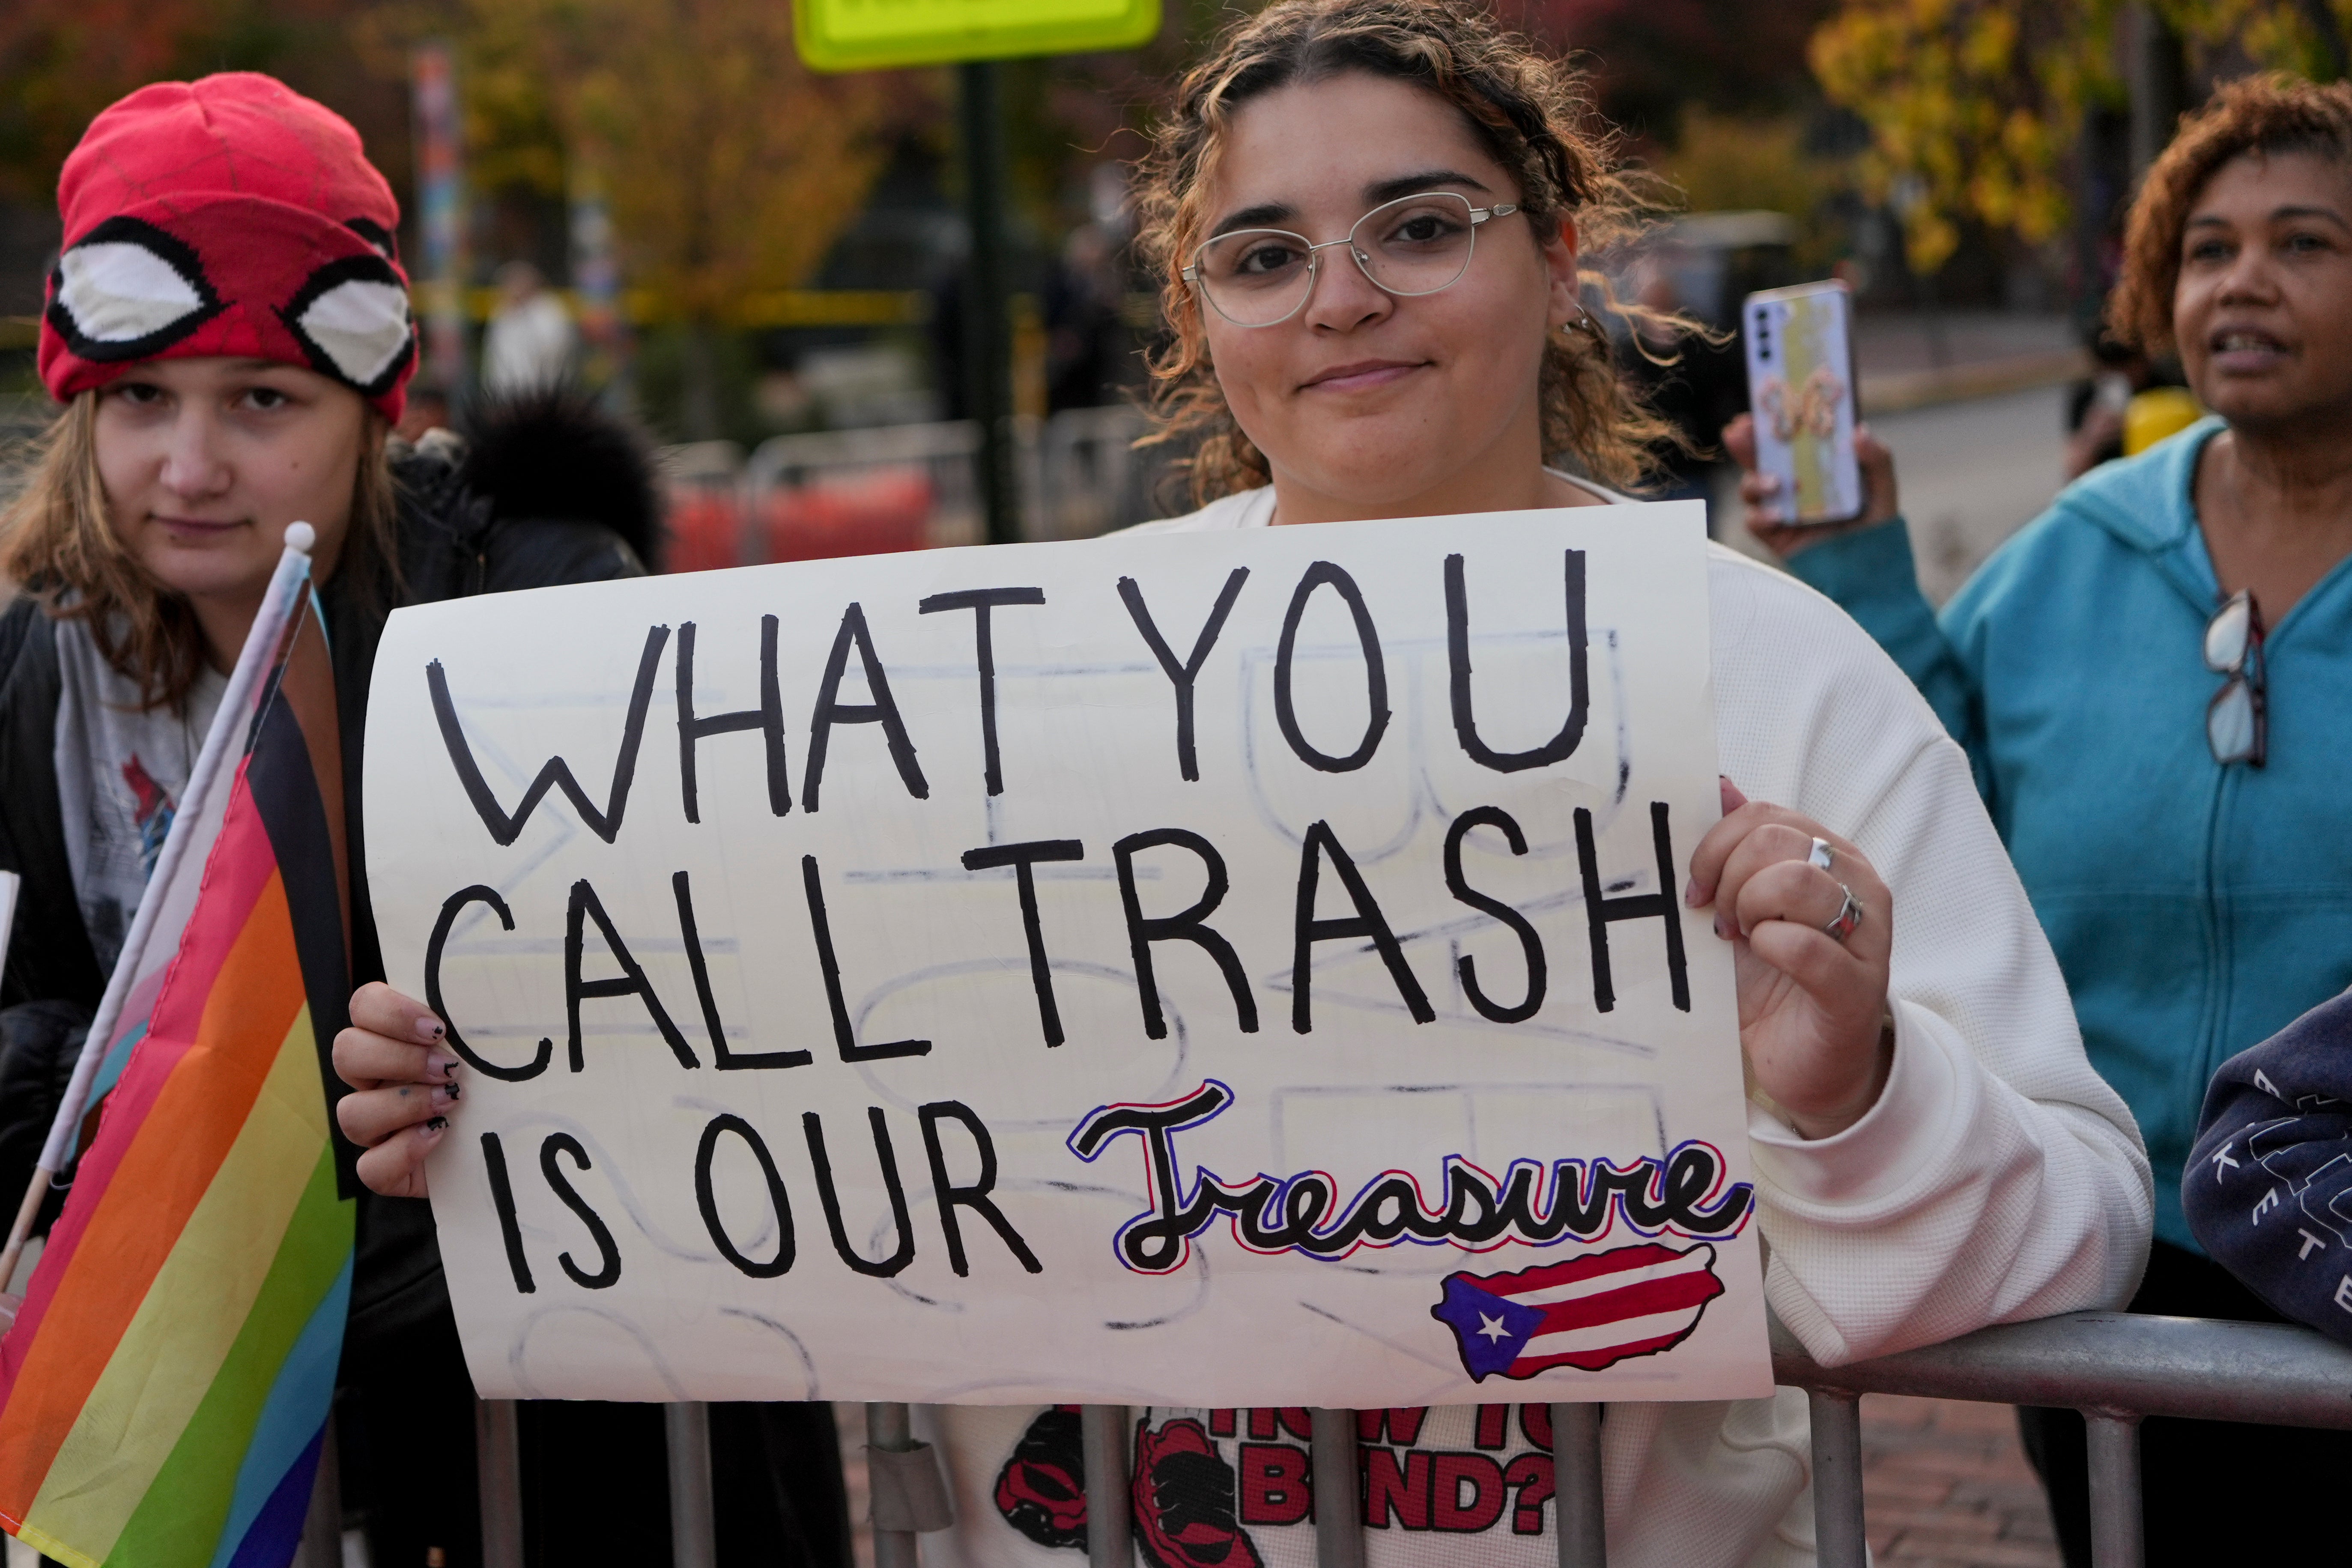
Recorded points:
(1849,915)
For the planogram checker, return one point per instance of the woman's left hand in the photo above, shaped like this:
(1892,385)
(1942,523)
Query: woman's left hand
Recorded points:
(1813,1007)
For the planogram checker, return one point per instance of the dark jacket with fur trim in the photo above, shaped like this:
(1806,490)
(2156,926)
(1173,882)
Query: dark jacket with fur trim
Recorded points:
(547,492)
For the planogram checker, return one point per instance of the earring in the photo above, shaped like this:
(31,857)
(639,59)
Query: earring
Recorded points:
(1581,321)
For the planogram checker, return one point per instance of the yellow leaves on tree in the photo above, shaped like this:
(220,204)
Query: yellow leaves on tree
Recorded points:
(1725,160)
(1972,105)
(731,170)
(2306,36)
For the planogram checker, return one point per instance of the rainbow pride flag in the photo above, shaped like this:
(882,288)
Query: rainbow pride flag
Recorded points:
(165,1386)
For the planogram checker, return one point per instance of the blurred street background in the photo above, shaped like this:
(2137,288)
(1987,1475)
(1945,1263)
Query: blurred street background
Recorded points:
(772,270)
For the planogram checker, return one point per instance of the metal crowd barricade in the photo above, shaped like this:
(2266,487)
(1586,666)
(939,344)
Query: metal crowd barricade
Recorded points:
(903,486)
(853,492)
(1089,476)
(2115,1368)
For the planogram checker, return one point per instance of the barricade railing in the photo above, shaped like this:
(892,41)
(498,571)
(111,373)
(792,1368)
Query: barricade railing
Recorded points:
(2115,1368)
(915,485)
(899,487)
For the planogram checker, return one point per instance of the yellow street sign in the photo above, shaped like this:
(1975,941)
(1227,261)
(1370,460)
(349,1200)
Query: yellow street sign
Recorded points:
(871,34)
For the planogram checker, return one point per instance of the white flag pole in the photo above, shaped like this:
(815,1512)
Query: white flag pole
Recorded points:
(222,743)
(10,884)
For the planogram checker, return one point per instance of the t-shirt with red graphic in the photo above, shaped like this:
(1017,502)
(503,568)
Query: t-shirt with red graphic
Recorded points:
(1444,1487)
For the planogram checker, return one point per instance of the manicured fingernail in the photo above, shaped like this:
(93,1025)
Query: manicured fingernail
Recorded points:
(1691,894)
(1722,927)
(441,1066)
(445,1094)
(436,1127)
(428,1028)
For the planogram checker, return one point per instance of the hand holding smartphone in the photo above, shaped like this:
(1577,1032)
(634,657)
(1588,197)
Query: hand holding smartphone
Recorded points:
(1800,389)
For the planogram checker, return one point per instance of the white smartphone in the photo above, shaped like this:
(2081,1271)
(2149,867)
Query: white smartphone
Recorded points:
(1800,388)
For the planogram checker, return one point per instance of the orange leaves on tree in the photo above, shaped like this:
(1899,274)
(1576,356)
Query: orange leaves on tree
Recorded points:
(731,168)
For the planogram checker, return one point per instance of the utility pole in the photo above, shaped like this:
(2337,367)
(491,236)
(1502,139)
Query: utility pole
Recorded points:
(987,326)
(2157,92)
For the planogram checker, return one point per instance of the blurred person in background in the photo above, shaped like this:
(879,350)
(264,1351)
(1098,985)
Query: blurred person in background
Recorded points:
(2131,403)
(2154,682)
(2096,404)
(228,330)
(530,344)
(1085,339)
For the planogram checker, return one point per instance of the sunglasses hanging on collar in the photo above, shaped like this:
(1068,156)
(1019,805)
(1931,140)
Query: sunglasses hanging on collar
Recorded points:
(2237,720)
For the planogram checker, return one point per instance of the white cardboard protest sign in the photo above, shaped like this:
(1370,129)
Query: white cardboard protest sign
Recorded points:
(1084,971)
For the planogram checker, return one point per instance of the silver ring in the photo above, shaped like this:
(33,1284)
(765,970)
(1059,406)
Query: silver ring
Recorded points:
(1849,915)
(1820,854)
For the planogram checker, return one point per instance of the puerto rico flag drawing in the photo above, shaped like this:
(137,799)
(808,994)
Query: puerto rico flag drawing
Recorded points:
(1589,1312)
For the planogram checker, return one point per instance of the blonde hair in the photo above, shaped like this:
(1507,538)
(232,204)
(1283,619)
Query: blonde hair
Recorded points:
(58,543)
(1535,115)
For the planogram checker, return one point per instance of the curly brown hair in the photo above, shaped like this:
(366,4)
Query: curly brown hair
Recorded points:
(1535,115)
(2269,114)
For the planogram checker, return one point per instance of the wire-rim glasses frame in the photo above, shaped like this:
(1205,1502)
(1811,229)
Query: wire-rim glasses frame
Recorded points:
(1238,242)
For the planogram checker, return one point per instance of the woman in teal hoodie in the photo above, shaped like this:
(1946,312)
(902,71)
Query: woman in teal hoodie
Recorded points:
(2154,682)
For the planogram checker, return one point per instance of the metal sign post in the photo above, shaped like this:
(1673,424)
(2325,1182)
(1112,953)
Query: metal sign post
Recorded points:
(987,327)
(972,35)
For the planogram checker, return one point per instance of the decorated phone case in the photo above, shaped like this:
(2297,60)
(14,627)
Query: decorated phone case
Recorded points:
(1801,388)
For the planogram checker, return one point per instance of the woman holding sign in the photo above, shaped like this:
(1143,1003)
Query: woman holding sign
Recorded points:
(229,334)
(2152,680)
(1367,216)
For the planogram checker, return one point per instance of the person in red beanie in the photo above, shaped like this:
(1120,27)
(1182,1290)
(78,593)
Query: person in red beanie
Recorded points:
(228,332)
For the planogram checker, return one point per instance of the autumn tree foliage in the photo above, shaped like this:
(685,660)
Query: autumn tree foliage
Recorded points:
(1649,58)
(61,61)
(1976,106)
(731,168)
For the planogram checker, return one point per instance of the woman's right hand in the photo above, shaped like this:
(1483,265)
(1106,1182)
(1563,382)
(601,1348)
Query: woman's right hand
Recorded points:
(1767,509)
(403,1078)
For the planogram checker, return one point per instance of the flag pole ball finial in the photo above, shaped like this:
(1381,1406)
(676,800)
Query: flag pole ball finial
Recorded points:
(300,536)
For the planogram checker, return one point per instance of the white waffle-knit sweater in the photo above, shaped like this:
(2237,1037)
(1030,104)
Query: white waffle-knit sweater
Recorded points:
(1997,1178)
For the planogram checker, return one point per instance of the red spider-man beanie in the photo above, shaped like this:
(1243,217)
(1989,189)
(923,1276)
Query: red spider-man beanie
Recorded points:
(227,216)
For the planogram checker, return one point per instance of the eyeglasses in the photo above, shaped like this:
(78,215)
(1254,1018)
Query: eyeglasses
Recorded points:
(2237,721)
(1409,246)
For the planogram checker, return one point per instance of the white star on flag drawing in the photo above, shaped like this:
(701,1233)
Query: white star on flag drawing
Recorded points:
(1492,1327)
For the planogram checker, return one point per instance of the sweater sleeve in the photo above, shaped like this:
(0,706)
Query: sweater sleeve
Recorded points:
(2268,1189)
(1871,577)
(1998,1178)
